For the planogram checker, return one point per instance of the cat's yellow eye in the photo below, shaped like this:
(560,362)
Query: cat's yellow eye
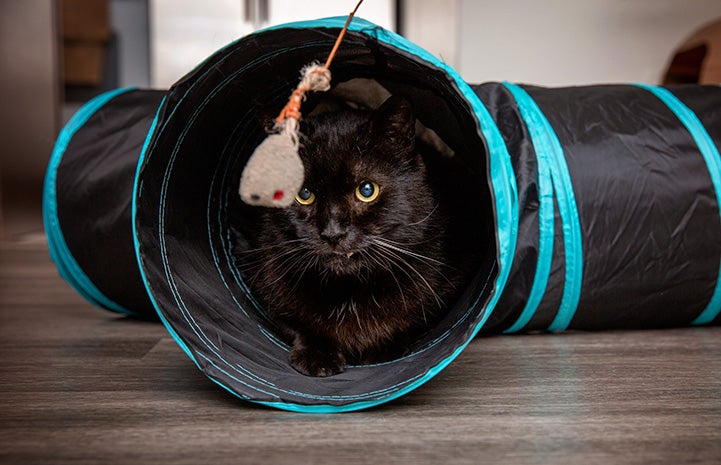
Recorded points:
(305,196)
(367,191)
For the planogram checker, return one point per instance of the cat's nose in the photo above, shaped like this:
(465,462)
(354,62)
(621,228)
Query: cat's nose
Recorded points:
(333,233)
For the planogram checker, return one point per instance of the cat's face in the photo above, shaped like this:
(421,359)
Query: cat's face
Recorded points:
(365,189)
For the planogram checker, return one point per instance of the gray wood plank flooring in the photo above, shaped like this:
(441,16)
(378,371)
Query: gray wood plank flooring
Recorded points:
(82,386)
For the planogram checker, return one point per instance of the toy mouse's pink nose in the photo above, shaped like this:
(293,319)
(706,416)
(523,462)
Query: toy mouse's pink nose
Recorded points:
(277,195)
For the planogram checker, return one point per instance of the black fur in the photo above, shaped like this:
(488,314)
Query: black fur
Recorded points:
(350,282)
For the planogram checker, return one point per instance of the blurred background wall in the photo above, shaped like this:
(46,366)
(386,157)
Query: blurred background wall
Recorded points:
(56,54)
(565,42)
(29,99)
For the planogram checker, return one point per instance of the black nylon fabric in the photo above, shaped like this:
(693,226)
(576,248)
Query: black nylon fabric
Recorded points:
(651,234)
(704,102)
(95,192)
(645,202)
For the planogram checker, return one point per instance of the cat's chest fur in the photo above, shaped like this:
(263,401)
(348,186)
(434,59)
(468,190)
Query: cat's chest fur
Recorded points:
(361,314)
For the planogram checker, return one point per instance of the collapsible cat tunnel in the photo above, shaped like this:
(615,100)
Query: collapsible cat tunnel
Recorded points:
(605,202)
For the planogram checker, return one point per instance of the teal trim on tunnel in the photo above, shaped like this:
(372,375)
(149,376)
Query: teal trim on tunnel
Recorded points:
(545,141)
(545,228)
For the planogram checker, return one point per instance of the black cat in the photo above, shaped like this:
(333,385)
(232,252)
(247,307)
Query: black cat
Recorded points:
(371,253)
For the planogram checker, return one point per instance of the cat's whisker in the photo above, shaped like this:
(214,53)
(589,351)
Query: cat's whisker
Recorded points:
(347,307)
(381,243)
(354,309)
(298,270)
(383,262)
(263,265)
(287,265)
(410,244)
(424,219)
(375,321)
(339,312)
(418,273)
(311,260)
(278,256)
(270,247)
(299,264)
(247,266)
(384,243)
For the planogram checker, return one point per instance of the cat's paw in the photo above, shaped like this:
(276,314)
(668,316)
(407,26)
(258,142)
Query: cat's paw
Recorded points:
(316,361)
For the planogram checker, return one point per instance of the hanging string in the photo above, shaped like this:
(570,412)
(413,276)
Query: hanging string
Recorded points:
(316,78)
(274,173)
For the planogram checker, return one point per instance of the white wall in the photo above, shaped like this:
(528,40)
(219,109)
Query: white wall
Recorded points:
(183,33)
(381,12)
(433,25)
(565,42)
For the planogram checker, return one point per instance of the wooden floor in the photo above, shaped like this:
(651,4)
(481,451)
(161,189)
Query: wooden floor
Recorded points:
(82,386)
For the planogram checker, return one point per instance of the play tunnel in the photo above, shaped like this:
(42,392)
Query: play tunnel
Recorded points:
(603,202)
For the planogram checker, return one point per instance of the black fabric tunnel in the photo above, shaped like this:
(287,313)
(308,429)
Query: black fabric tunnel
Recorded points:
(604,201)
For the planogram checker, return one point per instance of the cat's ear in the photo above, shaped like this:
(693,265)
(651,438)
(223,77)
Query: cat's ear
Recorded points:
(394,123)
